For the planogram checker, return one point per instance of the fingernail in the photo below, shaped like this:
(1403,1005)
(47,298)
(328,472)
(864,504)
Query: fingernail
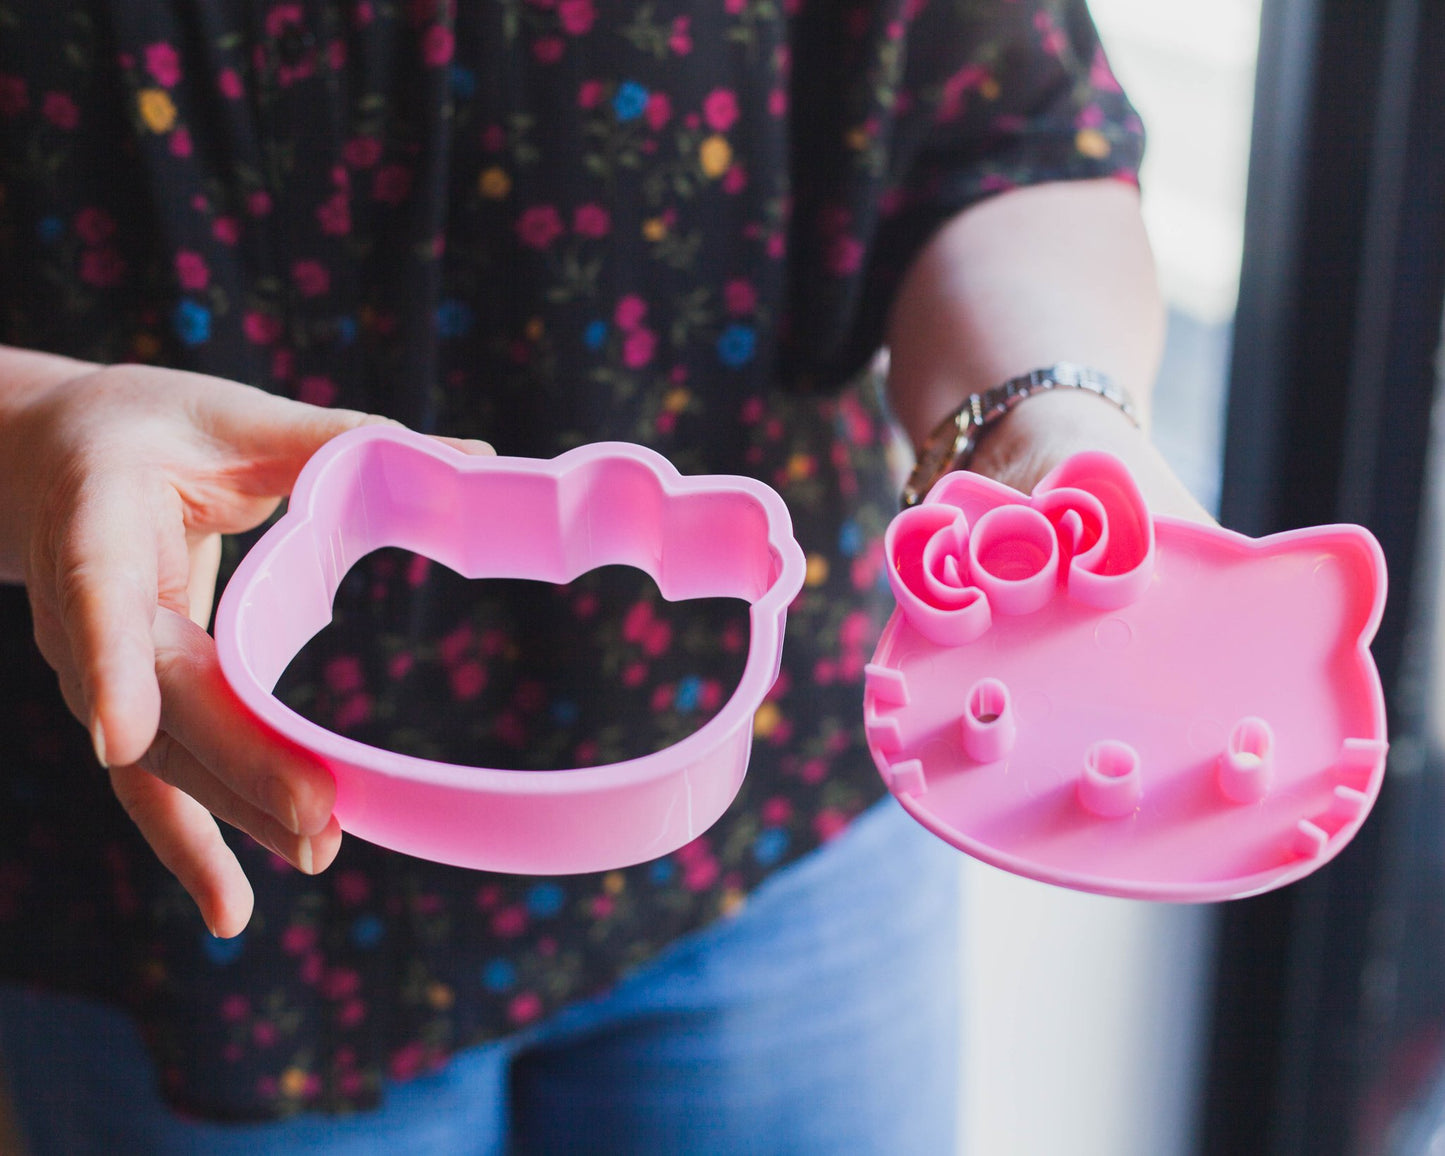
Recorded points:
(277,798)
(97,738)
(477,446)
(303,856)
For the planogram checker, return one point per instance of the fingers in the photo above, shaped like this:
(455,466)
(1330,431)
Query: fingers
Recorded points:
(187,841)
(102,585)
(225,752)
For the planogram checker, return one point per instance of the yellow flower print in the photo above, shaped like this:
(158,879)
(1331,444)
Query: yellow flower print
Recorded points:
(817,570)
(440,996)
(989,89)
(614,882)
(157,109)
(716,155)
(494,184)
(293,1080)
(534,329)
(765,722)
(654,229)
(1092,143)
(676,400)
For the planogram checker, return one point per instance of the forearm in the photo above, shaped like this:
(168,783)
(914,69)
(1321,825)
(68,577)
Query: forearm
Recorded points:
(1057,272)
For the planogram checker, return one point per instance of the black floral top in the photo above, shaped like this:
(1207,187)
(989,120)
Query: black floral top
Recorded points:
(540,222)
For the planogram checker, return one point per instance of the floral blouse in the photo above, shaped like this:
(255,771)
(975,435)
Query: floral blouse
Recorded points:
(539,222)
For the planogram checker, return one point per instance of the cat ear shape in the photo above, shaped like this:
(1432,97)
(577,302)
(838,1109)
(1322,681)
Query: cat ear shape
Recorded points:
(928,569)
(1103,525)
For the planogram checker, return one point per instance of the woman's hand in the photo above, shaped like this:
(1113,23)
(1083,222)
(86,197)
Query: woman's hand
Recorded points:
(117,484)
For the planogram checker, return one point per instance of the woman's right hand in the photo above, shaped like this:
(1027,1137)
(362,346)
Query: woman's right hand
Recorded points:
(115,486)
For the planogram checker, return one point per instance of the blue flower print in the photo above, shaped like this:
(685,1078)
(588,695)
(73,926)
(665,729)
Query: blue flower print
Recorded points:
(192,322)
(630,100)
(736,345)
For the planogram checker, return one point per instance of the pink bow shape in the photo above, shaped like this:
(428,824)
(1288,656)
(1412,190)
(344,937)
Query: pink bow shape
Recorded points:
(976,547)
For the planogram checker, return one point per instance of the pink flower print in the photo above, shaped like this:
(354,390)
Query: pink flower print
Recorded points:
(283,363)
(14,99)
(539,226)
(468,679)
(313,966)
(657,638)
(509,922)
(455,644)
(576,16)
(336,55)
(264,1033)
(399,666)
(681,39)
(601,906)
(591,220)
(638,347)
(191,271)
(407,1061)
(739,297)
(298,939)
(163,64)
(735,180)
(636,622)
(437,45)
(361,152)
(733,7)
(280,17)
(778,102)
(258,204)
(343,674)
(363,14)
(352,1012)
(352,887)
(392,184)
(589,94)
(417,569)
(94,226)
(494,136)
(102,268)
(1090,116)
(777,811)
(334,215)
(355,711)
(829,823)
(524,1007)
(311,277)
(340,982)
(720,109)
(261,328)
(629,312)
(548,49)
(700,874)
(813,772)
(1101,76)
(226,230)
(60,110)
(845,255)
(634,674)
(235,1008)
(657,111)
(180,142)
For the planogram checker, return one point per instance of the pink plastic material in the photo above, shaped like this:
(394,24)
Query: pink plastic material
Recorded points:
(494,517)
(1076,691)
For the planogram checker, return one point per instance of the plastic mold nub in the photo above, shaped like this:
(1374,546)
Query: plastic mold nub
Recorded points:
(1013,557)
(889,686)
(1360,759)
(1246,769)
(906,778)
(1111,785)
(989,726)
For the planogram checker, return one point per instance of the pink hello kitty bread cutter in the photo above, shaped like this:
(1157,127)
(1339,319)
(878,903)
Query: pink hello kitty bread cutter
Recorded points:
(1077,691)
(698,537)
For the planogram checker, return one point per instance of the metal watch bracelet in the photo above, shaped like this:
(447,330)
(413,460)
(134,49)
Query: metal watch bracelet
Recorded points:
(952,443)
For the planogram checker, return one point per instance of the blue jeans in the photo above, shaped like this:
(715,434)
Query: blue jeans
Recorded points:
(823,1018)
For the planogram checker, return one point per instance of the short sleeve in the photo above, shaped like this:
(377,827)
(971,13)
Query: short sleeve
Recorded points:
(909,111)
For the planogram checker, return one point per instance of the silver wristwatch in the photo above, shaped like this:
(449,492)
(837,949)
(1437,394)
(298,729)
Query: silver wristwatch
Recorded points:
(951,444)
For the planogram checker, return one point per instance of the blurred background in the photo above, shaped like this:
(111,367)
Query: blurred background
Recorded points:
(1295,194)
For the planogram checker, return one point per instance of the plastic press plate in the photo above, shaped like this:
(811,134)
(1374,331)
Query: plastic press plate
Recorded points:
(1078,692)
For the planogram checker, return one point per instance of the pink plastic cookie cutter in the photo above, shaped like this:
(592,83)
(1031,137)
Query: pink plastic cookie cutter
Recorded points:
(1079,692)
(498,517)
